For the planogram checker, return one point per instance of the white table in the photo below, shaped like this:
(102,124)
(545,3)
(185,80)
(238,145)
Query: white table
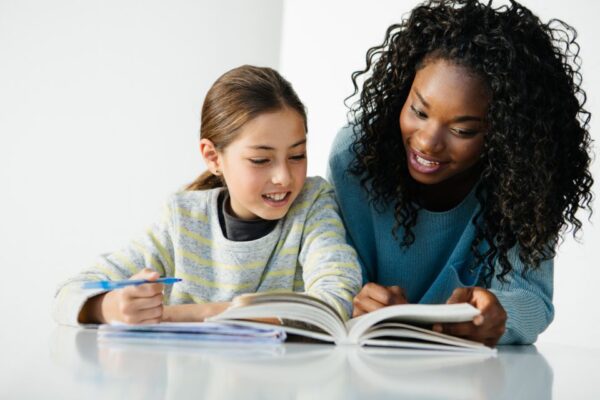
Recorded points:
(69,363)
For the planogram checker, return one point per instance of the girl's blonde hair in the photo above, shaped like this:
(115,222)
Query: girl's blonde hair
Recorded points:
(237,97)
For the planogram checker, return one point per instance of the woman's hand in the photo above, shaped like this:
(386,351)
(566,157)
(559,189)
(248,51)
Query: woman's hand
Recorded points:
(373,296)
(140,304)
(486,328)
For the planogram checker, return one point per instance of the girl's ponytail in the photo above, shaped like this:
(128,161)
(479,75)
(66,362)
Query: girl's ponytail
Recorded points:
(206,181)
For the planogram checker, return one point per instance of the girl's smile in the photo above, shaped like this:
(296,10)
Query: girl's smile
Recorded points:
(277,199)
(265,166)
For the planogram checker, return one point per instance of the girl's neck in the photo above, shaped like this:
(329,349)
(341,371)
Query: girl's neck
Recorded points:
(448,194)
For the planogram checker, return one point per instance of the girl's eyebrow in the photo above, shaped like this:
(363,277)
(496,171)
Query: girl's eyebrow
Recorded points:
(265,147)
(460,118)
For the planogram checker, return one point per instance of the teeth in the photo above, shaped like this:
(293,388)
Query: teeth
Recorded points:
(425,162)
(276,196)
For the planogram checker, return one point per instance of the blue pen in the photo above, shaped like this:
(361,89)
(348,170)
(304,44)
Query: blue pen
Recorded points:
(111,285)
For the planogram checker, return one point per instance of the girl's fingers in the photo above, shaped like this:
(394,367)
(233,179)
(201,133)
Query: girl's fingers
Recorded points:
(148,314)
(130,308)
(144,290)
(146,273)
(150,321)
(144,303)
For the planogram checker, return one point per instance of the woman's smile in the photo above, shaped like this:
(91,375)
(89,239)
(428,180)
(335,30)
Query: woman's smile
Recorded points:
(424,164)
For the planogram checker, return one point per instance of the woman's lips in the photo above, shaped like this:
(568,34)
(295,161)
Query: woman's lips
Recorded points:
(424,164)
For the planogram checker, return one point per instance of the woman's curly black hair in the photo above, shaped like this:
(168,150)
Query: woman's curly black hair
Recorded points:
(535,162)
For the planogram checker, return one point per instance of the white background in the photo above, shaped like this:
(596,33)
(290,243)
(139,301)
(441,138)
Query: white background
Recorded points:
(99,118)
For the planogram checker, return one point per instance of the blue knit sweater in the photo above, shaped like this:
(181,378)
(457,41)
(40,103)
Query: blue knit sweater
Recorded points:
(439,259)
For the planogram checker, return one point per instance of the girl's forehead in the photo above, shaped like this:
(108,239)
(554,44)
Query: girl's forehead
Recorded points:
(276,129)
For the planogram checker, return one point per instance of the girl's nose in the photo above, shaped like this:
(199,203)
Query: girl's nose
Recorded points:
(282,176)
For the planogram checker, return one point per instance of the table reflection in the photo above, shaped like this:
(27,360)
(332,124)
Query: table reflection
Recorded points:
(294,370)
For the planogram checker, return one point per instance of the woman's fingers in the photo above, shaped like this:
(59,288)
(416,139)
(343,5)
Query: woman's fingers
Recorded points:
(364,304)
(373,296)
(386,295)
(487,327)
(398,295)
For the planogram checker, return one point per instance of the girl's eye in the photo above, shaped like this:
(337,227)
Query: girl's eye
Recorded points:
(259,160)
(298,157)
(420,114)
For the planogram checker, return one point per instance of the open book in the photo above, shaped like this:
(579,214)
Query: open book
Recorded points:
(394,326)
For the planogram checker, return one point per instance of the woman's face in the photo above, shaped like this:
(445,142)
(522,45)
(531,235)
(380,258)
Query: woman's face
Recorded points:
(443,123)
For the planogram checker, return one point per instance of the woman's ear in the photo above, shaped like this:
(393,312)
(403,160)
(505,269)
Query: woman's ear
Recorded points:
(211,156)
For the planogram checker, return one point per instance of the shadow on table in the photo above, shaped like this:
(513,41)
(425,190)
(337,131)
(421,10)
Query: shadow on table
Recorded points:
(516,373)
(295,370)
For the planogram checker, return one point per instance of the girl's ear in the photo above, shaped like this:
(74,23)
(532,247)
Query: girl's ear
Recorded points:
(211,156)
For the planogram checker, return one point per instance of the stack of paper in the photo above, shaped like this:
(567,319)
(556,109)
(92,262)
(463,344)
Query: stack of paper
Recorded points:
(191,332)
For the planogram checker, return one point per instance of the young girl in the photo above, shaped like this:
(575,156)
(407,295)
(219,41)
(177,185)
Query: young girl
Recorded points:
(468,157)
(252,223)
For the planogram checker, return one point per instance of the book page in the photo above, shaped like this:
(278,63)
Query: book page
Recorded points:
(394,334)
(307,313)
(411,314)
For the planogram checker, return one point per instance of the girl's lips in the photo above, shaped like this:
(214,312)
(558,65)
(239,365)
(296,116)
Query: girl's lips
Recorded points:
(277,203)
(424,164)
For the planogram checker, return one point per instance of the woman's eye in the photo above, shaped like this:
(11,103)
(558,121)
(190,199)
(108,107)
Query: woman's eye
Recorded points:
(259,160)
(298,157)
(464,132)
(420,114)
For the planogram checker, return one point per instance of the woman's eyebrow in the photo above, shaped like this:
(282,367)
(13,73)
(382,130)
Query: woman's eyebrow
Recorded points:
(467,118)
(425,103)
(460,118)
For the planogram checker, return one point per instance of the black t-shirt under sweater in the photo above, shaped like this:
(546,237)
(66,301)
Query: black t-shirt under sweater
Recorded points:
(240,230)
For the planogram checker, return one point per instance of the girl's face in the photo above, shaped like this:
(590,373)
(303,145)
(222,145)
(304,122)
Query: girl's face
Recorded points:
(443,123)
(265,166)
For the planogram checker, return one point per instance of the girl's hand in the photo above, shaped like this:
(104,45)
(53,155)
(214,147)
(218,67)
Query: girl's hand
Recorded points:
(140,304)
(193,312)
(373,296)
(486,328)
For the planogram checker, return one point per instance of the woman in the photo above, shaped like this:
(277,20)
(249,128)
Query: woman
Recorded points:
(466,160)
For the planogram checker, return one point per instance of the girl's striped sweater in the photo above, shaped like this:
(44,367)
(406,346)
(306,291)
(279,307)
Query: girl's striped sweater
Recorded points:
(305,252)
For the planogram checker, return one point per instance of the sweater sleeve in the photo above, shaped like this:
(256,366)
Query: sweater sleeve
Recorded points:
(330,266)
(527,300)
(153,249)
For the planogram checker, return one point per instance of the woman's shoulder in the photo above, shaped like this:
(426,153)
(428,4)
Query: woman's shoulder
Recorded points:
(341,146)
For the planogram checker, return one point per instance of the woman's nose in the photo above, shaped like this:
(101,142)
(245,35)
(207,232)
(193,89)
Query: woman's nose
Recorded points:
(429,138)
